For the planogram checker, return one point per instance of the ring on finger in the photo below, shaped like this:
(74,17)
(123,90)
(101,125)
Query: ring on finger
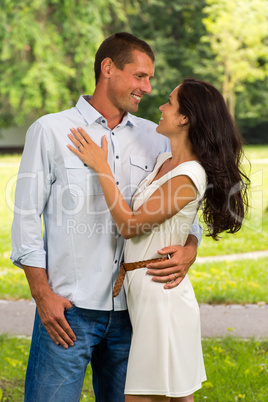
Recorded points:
(175,276)
(79,146)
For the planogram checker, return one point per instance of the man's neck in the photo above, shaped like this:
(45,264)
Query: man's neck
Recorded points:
(112,115)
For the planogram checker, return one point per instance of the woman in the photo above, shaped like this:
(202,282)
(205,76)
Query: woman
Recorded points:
(166,362)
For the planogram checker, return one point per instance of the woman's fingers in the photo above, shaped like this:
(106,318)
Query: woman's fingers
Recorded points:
(79,137)
(74,140)
(84,134)
(74,150)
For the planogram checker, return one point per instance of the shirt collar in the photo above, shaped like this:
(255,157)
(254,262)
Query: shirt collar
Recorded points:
(87,111)
(91,115)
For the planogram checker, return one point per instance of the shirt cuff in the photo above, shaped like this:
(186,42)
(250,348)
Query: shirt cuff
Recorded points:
(197,231)
(26,256)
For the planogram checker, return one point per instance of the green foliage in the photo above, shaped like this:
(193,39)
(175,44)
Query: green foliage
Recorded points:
(237,32)
(215,40)
(47,52)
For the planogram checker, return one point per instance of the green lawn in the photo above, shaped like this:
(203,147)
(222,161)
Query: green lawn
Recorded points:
(237,370)
(231,282)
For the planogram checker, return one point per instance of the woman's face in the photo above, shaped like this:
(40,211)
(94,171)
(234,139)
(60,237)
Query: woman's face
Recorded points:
(171,119)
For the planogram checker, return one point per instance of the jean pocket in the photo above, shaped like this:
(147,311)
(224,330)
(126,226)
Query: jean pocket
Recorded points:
(70,309)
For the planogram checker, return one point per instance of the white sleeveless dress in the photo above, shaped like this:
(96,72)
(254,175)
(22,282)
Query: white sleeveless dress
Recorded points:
(166,353)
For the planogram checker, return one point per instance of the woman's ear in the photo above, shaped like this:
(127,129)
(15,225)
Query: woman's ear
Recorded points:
(184,120)
(106,67)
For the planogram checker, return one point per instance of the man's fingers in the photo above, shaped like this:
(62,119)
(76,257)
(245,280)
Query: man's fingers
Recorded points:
(173,284)
(168,250)
(162,264)
(167,275)
(61,334)
(171,281)
(162,272)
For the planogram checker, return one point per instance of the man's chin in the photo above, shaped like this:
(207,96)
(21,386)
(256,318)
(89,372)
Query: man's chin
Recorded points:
(133,109)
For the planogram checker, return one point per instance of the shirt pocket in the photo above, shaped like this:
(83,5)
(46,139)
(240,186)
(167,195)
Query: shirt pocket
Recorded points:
(140,167)
(82,180)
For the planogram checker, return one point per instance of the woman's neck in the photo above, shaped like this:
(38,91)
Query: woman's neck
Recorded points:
(181,150)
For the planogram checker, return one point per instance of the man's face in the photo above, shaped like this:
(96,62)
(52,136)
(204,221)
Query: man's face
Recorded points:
(128,86)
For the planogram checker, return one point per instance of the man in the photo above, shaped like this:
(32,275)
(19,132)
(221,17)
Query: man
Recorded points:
(72,270)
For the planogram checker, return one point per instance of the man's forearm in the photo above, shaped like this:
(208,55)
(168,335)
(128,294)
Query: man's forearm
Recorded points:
(192,240)
(37,279)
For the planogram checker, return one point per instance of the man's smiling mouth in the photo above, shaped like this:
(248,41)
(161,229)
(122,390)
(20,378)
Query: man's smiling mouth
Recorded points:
(137,97)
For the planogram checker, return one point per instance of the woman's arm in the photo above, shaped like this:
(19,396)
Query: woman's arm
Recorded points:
(165,202)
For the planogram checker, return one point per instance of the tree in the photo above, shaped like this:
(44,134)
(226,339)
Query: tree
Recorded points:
(238,36)
(47,50)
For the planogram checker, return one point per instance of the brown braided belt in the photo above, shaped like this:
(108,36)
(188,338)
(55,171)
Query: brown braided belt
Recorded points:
(130,266)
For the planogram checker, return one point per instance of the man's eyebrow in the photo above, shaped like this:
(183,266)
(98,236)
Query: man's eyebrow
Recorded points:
(144,74)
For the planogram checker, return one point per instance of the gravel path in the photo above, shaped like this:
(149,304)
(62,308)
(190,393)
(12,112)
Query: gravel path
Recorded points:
(16,318)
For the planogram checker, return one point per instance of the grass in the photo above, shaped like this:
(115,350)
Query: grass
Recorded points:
(14,353)
(237,370)
(231,282)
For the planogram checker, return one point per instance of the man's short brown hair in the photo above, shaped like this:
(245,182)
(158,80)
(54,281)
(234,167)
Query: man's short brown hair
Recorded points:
(119,48)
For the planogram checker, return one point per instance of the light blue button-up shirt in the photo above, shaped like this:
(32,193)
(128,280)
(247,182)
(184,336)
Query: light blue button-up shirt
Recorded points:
(80,248)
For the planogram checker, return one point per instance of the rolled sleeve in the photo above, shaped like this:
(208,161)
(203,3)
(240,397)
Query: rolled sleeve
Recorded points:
(196,230)
(32,192)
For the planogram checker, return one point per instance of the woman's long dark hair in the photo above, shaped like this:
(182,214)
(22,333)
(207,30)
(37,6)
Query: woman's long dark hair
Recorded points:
(218,146)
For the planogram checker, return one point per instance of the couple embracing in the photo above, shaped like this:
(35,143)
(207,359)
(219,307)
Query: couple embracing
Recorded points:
(142,339)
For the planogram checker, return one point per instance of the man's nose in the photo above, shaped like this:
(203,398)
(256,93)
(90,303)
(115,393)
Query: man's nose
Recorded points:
(147,87)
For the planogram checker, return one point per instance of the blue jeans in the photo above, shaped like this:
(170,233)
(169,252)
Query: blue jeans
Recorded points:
(57,374)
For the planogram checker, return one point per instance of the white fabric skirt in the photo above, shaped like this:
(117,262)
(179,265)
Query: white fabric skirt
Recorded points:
(166,353)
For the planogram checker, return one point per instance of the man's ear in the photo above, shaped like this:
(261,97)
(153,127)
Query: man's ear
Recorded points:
(107,67)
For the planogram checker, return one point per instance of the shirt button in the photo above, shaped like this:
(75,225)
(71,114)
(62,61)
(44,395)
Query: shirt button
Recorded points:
(112,133)
(146,166)
(115,262)
(117,182)
(117,157)
(85,164)
(103,121)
